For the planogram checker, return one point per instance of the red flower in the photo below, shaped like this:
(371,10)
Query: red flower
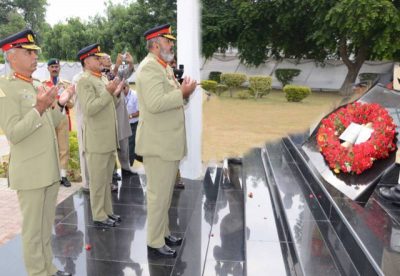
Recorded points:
(357,158)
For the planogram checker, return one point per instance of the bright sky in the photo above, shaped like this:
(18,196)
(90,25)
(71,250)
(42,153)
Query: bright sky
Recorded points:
(60,10)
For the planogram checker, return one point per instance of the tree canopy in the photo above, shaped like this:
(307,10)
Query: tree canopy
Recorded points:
(120,30)
(350,30)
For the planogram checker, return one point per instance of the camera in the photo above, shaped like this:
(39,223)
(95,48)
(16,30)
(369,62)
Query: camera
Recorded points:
(178,73)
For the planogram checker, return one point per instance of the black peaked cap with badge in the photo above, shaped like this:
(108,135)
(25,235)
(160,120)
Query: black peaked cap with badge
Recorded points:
(91,50)
(24,39)
(53,61)
(163,30)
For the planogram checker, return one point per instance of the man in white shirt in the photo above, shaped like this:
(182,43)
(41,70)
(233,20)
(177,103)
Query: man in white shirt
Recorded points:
(133,115)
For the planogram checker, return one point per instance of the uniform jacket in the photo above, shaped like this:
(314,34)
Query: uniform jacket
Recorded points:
(99,118)
(161,127)
(34,157)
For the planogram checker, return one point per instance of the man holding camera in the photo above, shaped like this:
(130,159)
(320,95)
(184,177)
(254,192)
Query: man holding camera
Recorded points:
(161,135)
(123,68)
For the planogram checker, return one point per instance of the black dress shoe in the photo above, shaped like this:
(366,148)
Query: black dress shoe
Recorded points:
(128,172)
(65,182)
(390,193)
(164,251)
(179,185)
(116,176)
(115,217)
(105,223)
(62,273)
(172,240)
(114,187)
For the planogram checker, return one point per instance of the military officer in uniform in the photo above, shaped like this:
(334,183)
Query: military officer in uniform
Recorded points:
(62,130)
(28,118)
(97,101)
(161,136)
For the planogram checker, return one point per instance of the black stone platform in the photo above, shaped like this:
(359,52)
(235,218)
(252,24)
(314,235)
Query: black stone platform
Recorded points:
(209,217)
(357,187)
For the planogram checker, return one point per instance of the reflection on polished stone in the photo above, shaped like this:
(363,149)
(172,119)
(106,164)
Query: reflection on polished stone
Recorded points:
(198,214)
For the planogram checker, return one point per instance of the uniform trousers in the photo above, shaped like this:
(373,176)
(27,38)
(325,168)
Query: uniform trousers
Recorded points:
(62,131)
(161,175)
(132,138)
(38,212)
(100,166)
(123,154)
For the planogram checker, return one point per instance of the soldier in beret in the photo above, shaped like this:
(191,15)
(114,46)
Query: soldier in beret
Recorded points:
(161,136)
(97,98)
(28,118)
(62,130)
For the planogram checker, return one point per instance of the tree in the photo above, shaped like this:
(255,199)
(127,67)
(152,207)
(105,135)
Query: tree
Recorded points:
(219,26)
(350,30)
(33,11)
(358,31)
(65,40)
(127,24)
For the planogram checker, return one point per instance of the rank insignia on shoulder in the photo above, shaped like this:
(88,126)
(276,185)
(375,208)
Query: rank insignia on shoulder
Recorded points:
(2,94)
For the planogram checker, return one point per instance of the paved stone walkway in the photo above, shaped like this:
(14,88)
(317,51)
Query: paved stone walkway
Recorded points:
(10,215)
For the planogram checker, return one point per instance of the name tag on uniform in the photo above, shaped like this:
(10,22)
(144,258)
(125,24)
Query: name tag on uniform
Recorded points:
(27,96)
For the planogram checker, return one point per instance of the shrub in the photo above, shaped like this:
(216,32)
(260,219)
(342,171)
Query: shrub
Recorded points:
(369,77)
(285,75)
(296,93)
(209,85)
(243,94)
(233,80)
(215,76)
(3,169)
(73,162)
(221,88)
(260,85)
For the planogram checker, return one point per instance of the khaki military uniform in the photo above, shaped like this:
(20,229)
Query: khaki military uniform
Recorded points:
(62,130)
(160,139)
(33,169)
(99,140)
(79,130)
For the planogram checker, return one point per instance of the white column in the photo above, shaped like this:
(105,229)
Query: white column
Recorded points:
(188,45)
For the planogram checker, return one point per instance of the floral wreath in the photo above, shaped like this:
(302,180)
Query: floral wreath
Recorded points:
(356,158)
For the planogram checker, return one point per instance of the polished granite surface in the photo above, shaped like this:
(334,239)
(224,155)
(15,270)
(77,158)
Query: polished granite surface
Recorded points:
(367,229)
(307,223)
(207,216)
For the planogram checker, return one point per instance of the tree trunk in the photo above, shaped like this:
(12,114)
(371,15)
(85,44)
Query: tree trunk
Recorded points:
(347,86)
(352,67)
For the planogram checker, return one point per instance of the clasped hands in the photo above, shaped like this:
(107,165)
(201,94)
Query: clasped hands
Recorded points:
(188,86)
(115,86)
(46,97)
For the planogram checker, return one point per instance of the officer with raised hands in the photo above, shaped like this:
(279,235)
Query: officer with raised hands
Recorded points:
(28,119)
